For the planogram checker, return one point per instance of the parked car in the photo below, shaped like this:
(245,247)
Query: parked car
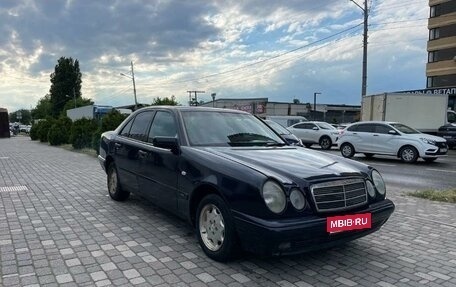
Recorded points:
(311,133)
(448,132)
(237,182)
(290,138)
(390,138)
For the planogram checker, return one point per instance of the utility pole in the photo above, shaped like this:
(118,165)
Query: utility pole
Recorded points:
(315,104)
(134,84)
(196,97)
(364,75)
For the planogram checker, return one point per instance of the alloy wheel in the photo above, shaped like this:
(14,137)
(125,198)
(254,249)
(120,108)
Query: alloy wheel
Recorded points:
(212,227)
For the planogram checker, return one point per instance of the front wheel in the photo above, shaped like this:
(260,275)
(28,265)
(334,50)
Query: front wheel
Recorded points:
(408,154)
(215,229)
(347,150)
(325,143)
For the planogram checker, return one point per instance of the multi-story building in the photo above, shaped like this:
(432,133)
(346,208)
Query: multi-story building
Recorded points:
(441,67)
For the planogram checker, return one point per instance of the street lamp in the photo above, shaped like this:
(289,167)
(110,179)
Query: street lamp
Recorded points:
(315,104)
(213,99)
(134,85)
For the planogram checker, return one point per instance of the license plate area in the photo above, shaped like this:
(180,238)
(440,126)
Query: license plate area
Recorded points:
(443,150)
(336,224)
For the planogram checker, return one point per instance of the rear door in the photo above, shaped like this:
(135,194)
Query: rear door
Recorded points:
(360,136)
(127,148)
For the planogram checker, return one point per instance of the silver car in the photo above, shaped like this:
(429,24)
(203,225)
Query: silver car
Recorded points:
(311,133)
(390,138)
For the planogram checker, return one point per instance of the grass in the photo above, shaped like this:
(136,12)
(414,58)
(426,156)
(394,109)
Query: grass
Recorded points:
(87,151)
(436,195)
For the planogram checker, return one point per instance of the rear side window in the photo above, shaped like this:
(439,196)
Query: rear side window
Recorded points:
(140,126)
(366,128)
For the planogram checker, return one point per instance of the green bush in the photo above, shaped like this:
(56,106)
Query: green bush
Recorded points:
(108,123)
(57,134)
(34,131)
(43,130)
(81,133)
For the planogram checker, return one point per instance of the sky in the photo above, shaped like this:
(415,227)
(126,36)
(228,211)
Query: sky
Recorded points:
(278,49)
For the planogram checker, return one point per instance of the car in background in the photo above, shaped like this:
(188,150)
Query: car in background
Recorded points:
(290,138)
(448,132)
(287,121)
(390,138)
(311,133)
(238,184)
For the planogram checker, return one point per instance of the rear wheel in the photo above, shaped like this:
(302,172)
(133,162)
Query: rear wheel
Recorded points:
(115,190)
(325,143)
(215,229)
(347,150)
(408,154)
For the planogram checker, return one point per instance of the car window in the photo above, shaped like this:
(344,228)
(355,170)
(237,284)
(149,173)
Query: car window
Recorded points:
(126,129)
(214,128)
(163,125)
(382,129)
(300,126)
(311,126)
(140,125)
(405,129)
(325,126)
(366,128)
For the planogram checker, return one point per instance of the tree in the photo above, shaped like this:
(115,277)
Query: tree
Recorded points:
(43,108)
(165,101)
(296,101)
(65,84)
(25,117)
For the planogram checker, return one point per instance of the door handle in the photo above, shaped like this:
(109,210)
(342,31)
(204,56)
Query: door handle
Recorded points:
(375,135)
(117,145)
(355,133)
(142,153)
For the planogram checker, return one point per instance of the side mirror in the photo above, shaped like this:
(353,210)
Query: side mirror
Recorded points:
(315,128)
(392,132)
(170,143)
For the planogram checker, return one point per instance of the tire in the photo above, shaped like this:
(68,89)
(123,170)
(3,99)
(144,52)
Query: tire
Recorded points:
(307,145)
(115,190)
(347,150)
(325,143)
(369,155)
(408,154)
(432,159)
(215,229)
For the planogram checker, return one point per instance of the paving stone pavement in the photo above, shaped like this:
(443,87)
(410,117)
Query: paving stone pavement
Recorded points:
(58,227)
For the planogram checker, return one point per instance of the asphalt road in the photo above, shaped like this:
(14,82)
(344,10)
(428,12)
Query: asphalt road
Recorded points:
(400,176)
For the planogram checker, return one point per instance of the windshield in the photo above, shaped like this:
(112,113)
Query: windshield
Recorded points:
(281,130)
(325,126)
(405,129)
(215,128)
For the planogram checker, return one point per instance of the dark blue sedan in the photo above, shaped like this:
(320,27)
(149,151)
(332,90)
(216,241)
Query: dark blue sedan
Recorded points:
(239,183)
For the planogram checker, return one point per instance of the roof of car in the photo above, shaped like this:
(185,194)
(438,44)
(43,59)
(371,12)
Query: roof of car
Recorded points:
(193,108)
(374,122)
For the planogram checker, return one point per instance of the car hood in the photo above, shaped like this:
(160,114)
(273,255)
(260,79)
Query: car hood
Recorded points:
(291,163)
(426,136)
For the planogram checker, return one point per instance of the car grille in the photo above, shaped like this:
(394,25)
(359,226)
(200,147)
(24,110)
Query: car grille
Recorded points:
(339,195)
(441,144)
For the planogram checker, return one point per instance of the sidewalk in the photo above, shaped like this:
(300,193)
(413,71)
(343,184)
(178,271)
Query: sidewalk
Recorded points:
(58,227)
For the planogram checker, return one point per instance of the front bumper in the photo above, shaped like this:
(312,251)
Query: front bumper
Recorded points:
(441,149)
(280,237)
(102,161)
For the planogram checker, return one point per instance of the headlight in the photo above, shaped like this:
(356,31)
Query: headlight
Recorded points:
(297,199)
(370,188)
(428,141)
(274,196)
(378,182)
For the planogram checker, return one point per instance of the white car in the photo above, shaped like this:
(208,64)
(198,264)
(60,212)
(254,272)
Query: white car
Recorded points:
(311,133)
(390,138)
